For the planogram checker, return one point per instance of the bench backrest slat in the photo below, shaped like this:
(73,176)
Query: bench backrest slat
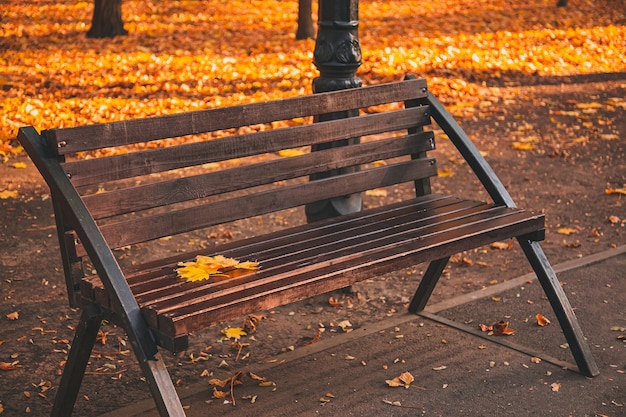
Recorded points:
(177,190)
(94,171)
(223,211)
(86,138)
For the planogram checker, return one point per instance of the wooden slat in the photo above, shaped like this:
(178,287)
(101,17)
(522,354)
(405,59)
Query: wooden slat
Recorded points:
(353,266)
(293,251)
(184,220)
(94,171)
(145,278)
(85,138)
(177,190)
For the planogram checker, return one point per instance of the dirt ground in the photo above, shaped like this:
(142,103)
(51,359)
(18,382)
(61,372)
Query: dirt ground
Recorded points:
(557,144)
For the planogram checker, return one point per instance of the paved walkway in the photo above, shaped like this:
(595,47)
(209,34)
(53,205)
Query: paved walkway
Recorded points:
(456,373)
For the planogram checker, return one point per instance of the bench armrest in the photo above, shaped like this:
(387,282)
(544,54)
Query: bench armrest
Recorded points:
(85,226)
(470,153)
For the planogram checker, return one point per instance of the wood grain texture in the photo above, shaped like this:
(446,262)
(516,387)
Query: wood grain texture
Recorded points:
(90,137)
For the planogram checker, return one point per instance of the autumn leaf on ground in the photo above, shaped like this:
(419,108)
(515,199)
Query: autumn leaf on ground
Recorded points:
(219,394)
(7,366)
(566,231)
(251,322)
(230,382)
(345,325)
(205,267)
(500,328)
(13,316)
(334,303)
(378,192)
(403,380)
(19,165)
(615,191)
(542,320)
(523,146)
(502,245)
(6,194)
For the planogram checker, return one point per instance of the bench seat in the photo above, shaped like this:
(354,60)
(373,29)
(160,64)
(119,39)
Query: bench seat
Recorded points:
(316,258)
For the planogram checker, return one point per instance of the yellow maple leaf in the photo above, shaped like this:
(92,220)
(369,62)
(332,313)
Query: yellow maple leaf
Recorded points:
(19,165)
(233,332)
(205,267)
(248,265)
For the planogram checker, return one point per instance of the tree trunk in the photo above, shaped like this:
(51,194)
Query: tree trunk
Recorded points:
(107,20)
(305,20)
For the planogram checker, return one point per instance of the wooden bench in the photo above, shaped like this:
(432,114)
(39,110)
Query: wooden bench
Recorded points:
(110,200)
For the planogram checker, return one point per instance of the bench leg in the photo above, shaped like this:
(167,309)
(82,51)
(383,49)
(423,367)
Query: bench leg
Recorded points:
(561,306)
(161,386)
(74,370)
(427,285)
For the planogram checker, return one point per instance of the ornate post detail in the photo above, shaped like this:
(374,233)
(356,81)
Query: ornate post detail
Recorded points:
(337,56)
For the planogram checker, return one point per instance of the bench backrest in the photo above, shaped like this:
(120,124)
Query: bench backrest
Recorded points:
(224,164)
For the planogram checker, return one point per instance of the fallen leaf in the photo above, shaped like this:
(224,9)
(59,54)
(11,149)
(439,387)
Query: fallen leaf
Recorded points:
(500,328)
(334,303)
(13,316)
(541,320)
(251,322)
(345,325)
(233,332)
(440,368)
(555,387)
(7,366)
(609,136)
(502,245)
(19,165)
(377,192)
(614,220)
(444,173)
(256,377)
(566,231)
(6,194)
(403,380)
(615,191)
(219,394)
(523,146)
(205,267)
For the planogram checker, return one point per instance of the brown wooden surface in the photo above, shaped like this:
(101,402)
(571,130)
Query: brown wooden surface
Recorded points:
(84,138)
(179,221)
(181,189)
(312,260)
(94,171)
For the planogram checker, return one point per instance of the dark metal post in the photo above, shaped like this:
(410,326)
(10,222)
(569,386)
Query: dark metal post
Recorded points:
(337,56)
